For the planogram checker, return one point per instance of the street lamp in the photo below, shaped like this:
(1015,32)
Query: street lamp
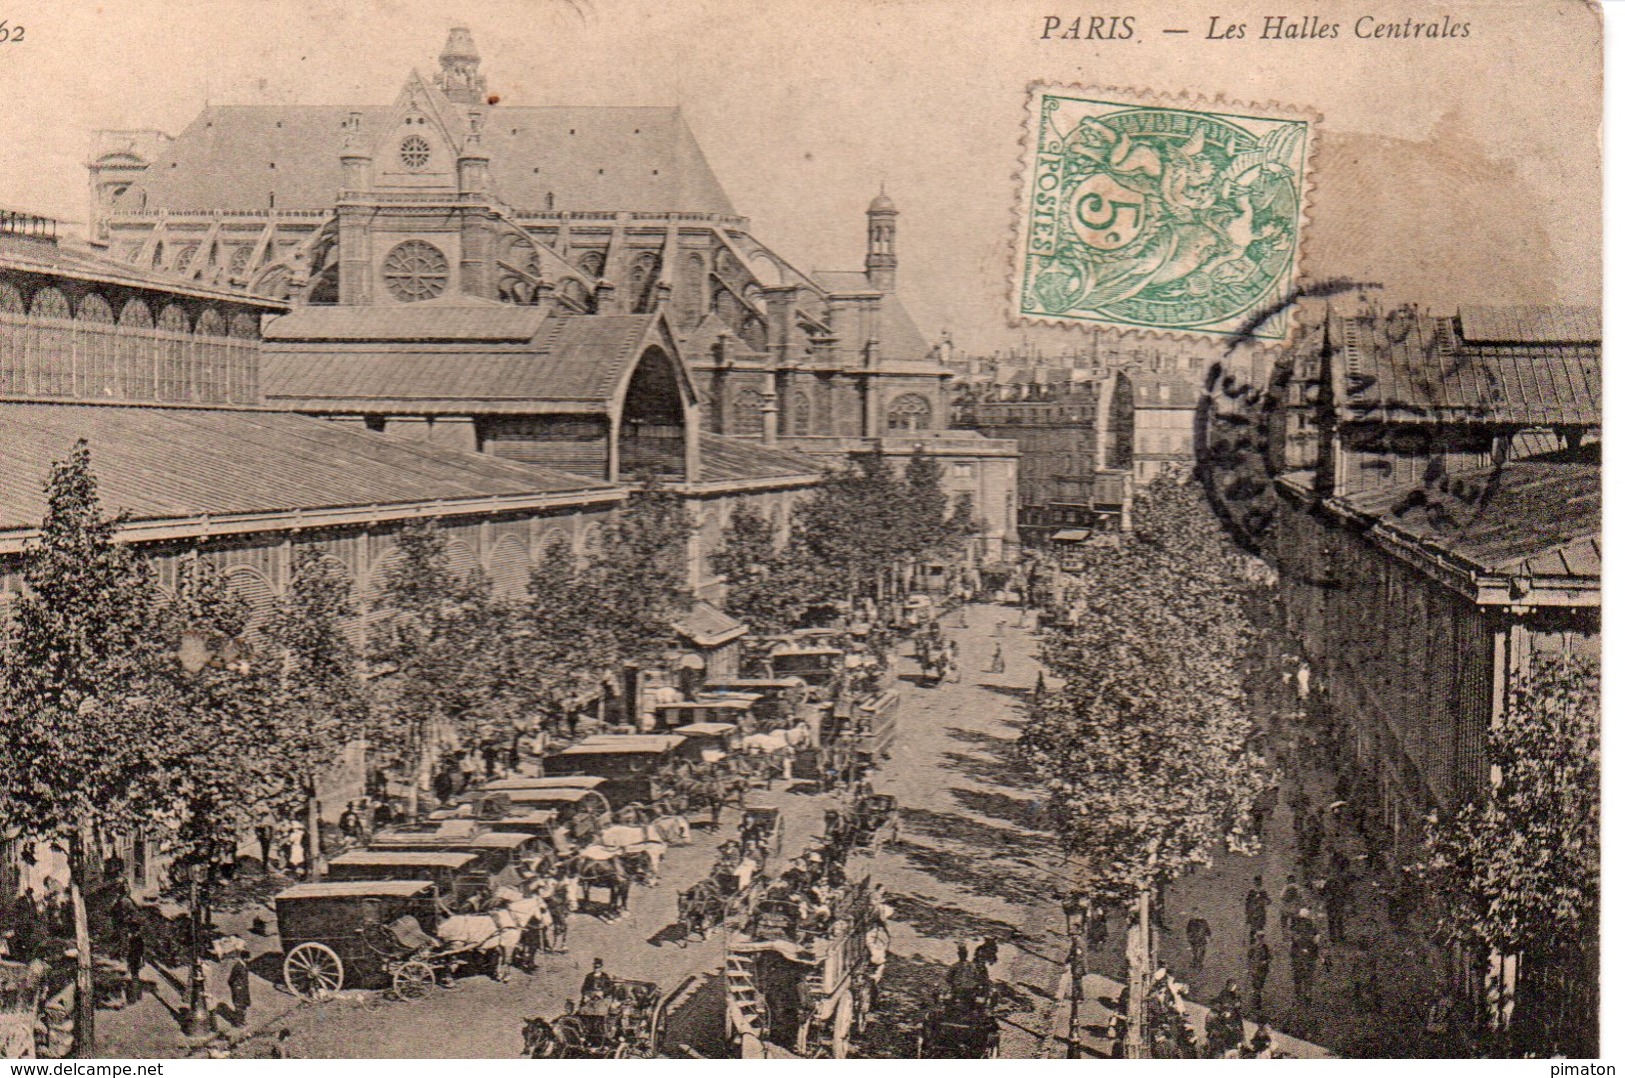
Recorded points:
(1076,908)
(197,1000)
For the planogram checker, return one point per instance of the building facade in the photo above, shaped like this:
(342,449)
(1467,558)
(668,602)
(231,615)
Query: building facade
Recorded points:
(445,199)
(1443,531)
(1070,435)
(163,381)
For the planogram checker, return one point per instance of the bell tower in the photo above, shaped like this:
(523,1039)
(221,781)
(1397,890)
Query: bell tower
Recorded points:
(459,78)
(880,266)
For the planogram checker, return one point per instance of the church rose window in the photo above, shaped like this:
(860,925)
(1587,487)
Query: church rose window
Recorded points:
(415,152)
(415,270)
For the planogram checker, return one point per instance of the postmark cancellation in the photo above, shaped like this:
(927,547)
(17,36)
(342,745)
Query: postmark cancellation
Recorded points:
(1160,213)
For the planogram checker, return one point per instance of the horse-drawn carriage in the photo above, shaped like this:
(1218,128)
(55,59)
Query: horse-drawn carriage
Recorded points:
(861,821)
(630,765)
(958,1027)
(455,874)
(727,888)
(502,855)
(931,652)
(624,1022)
(389,934)
(777,703)
(579,810)
(819,666)
(762,827)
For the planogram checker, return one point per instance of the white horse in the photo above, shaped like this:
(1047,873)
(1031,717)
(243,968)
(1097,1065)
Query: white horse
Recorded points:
(629,839)
(495,932)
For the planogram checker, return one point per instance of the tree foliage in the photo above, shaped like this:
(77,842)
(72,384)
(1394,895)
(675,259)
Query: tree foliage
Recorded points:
(437,642)
(321,696)
(564,647)
(639,574)
(1521,863)
(1145,739)
(767,585)
(83,672)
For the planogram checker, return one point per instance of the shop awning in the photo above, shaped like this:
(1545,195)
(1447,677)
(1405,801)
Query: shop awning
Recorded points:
(707,627)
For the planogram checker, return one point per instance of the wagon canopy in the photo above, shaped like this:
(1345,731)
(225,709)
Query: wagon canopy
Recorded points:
(356,889)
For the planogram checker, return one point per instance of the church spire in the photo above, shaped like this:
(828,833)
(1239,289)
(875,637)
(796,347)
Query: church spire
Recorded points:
(881,263)
(459,78)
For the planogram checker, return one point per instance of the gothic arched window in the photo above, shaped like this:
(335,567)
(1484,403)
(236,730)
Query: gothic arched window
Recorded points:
(909,412)
(801,413)
(415,271)
(643,280)
(747,412)
(591,263)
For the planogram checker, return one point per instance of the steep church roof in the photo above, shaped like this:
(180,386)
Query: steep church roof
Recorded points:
(587,159)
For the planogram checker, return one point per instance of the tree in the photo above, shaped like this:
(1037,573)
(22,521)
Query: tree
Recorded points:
(924,508)
(563,647)
(1520,863)
(639,574)
(439,642)
(83,723)
(848,532)
(766,587)
(322,702)
(226,733)
(1145,741)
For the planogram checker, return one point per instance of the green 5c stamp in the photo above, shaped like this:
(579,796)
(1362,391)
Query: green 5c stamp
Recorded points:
(1158,215)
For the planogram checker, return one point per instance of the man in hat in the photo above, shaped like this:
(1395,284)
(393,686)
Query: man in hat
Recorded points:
(238,984)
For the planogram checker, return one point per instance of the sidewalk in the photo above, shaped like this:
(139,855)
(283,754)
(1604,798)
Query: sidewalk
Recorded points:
(1100,995)
(151,1027)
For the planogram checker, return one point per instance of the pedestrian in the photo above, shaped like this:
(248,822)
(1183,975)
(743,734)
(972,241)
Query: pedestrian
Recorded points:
(996,664)
(1263,806)
(1257,906)
(1336,909)
(1291,899)
(350,823)
(1305,955)
(998,626)
(265,832)
(1197,933)
(1314,833)
(237,982)
(558,914)
(135,947)
(1099,930)
(1440,1028)
(1258,968)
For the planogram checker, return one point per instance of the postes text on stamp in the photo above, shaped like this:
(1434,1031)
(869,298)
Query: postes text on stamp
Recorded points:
(1156,214)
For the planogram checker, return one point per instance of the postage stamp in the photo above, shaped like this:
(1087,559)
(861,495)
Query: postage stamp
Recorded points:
(1158,213)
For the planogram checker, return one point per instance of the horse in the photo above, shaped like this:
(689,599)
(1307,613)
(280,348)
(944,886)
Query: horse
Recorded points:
(598,866)
(494,934)
(673,830)
(636,841)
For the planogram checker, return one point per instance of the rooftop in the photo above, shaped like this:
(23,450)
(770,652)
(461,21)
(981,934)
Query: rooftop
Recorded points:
(1540,516)
(725,459)
(1518,365)
(242,462)
(444,358)
(240,157)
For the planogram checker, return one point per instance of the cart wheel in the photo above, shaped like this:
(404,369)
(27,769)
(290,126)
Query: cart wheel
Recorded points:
(413,979)
(312,969)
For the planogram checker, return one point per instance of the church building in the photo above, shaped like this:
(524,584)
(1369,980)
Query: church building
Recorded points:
(455,268)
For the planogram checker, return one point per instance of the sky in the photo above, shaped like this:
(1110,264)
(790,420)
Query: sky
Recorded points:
(1454,171)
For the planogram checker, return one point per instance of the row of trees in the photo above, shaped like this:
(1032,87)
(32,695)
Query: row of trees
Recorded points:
(853,536)
(121,709)
(1145,743)
(1518,869)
